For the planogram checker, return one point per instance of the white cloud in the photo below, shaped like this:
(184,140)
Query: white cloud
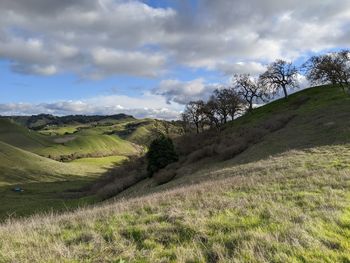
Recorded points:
(183,92)
(253,68)
(109,61)
(149,106)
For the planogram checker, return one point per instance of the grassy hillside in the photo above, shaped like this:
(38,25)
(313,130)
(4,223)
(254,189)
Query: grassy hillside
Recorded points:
(312,117)
(43,180)
(293,207)
(142,132)
(88,142)
(19,136)
(273,186)
(105,138)
(89,150)
(89,145)
(20,166)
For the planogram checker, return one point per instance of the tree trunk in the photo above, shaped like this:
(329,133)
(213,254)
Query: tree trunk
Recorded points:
(285,91)
(232,115)
(250,106)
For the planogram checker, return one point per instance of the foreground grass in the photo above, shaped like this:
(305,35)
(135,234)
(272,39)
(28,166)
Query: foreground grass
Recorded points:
(293,207)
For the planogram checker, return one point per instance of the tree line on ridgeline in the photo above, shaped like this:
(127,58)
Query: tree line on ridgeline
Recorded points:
(227,103)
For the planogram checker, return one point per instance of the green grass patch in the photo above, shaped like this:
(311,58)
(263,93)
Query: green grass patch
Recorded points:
(104,162)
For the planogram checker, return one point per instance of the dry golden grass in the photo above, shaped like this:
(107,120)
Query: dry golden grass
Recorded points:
(293,207)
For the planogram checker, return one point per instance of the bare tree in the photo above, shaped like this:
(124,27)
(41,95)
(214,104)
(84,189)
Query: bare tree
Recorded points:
(249,89)
(185,121)
(212,112)
(333,68)
(228,103)
(194,112)
(280,75)
(236,103)
(223,106)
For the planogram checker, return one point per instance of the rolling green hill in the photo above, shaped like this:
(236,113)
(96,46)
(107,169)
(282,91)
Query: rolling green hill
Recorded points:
(28,158)
(142,132)
(19,136)
(272,186)
(43,181)
(88,142)
(20,166)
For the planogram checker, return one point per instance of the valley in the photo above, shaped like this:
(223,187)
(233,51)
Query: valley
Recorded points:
(48,163)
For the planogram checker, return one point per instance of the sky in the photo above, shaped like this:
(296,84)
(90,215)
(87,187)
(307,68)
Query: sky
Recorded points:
(150,58)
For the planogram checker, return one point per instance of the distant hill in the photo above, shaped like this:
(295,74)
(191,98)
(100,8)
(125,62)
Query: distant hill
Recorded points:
(39,121)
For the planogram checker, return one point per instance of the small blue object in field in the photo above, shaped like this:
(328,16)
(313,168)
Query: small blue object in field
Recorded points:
(18,189)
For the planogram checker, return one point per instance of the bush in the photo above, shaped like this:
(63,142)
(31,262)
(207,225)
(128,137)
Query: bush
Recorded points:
(161,153)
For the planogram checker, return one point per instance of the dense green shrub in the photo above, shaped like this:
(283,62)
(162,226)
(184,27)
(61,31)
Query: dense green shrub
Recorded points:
(161,153)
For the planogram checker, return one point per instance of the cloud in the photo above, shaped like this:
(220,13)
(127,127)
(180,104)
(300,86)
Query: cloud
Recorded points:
(113,37)
(34,69)
(149,106)
(108,62)
(89,38)
(258,30)
(253,68)
(183,92)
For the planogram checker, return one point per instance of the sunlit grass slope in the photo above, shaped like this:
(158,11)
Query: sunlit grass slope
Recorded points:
(19,136)
(321,116)
(44,181)
(20,166)
(90,142)
(101,162)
